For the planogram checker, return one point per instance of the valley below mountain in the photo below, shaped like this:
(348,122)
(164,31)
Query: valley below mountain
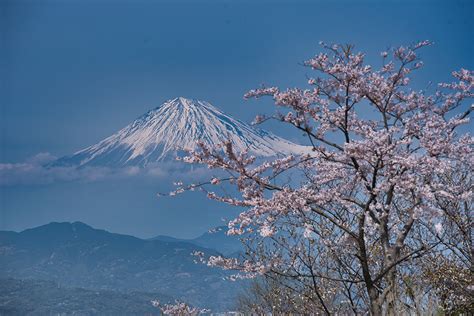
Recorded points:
(40,297)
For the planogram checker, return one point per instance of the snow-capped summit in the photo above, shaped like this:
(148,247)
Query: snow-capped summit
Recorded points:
(176,126)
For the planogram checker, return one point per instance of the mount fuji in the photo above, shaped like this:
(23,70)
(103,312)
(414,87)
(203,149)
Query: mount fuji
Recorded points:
(176,126)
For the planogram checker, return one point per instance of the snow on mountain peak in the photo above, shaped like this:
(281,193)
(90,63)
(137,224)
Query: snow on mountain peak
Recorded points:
(176,126)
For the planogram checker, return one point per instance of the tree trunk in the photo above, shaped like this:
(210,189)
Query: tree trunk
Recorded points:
(391,296)
(375,305)
(392,293)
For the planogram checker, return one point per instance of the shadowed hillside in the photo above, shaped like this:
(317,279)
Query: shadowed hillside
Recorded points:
(77,255)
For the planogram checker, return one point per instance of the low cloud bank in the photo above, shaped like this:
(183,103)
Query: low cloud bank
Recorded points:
(35,171)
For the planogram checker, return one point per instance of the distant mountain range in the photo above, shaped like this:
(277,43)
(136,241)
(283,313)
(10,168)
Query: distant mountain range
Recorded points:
(77,255)
(216,239)
(176,126)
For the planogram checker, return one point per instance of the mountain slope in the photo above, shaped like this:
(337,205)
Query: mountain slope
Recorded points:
(77,255)
(175,126)
(216,239)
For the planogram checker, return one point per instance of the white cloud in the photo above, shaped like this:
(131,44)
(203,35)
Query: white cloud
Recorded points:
(32,172)
(35,170)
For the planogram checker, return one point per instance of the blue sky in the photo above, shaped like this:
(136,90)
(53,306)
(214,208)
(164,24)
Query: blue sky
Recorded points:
(74,72)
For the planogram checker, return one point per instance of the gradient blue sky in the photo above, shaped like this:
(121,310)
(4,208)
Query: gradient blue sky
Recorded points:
(74,72)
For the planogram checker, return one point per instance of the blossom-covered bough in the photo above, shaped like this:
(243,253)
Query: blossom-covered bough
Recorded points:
(178,309)
(344,224)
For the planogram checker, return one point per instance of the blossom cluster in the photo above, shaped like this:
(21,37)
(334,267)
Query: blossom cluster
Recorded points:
(178,309)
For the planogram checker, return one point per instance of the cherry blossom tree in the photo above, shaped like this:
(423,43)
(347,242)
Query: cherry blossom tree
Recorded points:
(343,223)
